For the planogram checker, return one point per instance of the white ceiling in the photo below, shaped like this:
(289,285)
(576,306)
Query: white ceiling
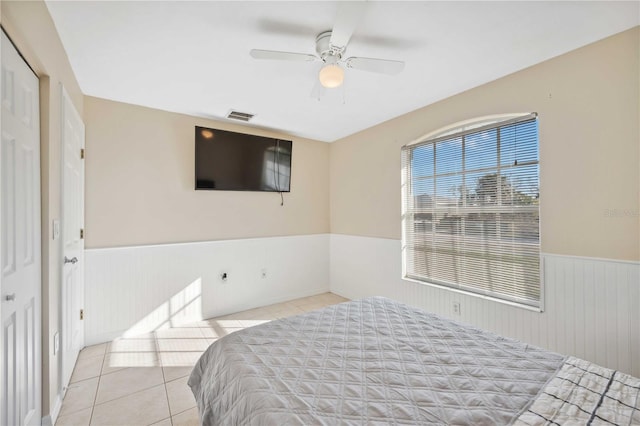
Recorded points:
(193,57)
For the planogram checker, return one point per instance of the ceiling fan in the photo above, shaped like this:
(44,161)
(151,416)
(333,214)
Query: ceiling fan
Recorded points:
(331,46)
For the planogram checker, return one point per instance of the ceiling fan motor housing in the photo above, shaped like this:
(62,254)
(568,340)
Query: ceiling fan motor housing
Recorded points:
(329,54)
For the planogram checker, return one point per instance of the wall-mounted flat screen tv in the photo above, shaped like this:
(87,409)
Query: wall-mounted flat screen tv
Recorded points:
(230,161)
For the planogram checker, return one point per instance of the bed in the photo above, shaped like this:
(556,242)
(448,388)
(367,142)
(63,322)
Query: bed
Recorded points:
(376,360)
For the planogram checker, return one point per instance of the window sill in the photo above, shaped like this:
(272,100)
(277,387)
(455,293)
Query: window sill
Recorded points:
(481,296)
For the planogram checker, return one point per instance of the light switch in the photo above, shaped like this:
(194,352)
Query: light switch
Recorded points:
(56,229)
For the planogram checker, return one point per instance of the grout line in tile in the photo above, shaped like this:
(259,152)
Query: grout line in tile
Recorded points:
(164,383)
(129,395)
(75,383)
(95,397)
(89,356)
(115,371)
(177,378)
(162,420)
(184,411)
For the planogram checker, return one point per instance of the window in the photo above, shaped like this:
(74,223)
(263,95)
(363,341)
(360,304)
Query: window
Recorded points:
(471,211)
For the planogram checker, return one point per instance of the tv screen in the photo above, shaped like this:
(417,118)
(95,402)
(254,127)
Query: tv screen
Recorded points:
(230,161)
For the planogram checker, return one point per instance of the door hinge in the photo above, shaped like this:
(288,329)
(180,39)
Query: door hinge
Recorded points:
(82,234)
(82,153)
(81,314)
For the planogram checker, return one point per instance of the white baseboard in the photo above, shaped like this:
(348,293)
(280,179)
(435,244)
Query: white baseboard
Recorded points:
(52,418)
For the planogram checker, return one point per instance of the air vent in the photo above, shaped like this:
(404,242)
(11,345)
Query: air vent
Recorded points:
(237,115)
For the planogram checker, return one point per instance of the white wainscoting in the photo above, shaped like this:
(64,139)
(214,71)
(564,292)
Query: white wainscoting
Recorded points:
(133,290)
(592,306)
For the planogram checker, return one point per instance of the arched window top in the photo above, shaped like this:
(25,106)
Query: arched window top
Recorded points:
(473,124)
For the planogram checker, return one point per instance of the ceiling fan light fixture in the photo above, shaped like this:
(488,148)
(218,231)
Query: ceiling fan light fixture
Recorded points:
(331,76)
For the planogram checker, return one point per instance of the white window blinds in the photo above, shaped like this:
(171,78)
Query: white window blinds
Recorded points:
(471,211)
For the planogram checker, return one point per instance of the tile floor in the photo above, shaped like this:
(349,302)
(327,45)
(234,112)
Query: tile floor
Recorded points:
(142,380)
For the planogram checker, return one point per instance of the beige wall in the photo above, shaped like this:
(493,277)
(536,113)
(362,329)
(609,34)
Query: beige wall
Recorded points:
(588,106)
(140,183)
(30,27)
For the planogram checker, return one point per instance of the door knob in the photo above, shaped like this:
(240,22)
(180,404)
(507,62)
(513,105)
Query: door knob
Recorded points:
(73,261)
(10,297)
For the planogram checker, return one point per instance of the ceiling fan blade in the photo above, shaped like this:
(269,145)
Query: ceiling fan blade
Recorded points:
(347,18)
(382,66)
(283,56)
(281,26)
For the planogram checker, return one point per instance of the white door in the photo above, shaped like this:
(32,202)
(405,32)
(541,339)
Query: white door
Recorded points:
(20,277)
(72,235)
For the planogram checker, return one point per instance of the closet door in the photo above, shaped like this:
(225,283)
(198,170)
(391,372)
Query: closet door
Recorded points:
(20,276)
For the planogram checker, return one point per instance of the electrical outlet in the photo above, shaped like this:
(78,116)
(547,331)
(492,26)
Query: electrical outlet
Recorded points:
(456,308)
(263,273)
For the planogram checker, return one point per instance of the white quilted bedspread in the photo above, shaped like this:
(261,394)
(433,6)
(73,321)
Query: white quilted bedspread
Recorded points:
(369,361)
(583,393)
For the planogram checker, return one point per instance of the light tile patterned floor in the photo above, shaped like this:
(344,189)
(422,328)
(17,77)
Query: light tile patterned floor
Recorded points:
(143,380)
